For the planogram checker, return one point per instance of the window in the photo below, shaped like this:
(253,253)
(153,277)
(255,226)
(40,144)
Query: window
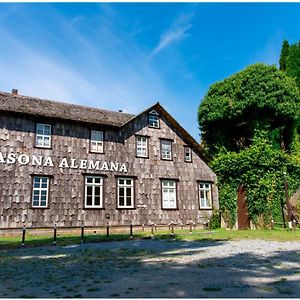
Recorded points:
(153,119)
(205,195)
(187,154)
(169,194)
(40,191)
(141,146)
(93,192)
(43,135)
(97,141)
(125,193)
(166,149)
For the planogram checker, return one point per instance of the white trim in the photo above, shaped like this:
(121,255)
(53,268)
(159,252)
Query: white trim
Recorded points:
(93,185)
(125,186)
(40,181)
(169,194)
(42,135)
(205,202)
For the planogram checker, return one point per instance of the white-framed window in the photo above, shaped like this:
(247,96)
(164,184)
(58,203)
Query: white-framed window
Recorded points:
(40,191)
(153,119)
(205,196)
(97,141)
(93,195)
(125,192)
(142,146)
(187,154)
(166,149)
(43,135)
(169,194)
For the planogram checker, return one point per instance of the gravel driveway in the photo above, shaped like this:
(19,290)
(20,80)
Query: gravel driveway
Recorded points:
(150,268)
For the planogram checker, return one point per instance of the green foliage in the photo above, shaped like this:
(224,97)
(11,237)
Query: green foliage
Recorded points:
(258,98)
(260,168)
(284,55)
(215,220)
(293,62)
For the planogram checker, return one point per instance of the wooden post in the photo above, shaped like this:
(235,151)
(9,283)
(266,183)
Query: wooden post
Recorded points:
(131,231)
(191,227)
(23,236)
(107,231)
(272,224)
(294,224)
(152,229)
(54,235)
(143,227)
(82,233)
(172,228)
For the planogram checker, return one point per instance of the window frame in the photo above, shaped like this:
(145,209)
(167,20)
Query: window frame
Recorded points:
(211,195)
(85,184)
(91,140)
(136,146)
(43,135)
(191,155)
(33,176)
(161,152)
(154,113)
(133,192)
(162,193)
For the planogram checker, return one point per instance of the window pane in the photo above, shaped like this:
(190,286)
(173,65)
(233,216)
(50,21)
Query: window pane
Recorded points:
(128,192)
(89,190)
(35,203)
(128,201)
(97,191)
(128,182)
(97,180)
(121,192)
(121,201)
(97,201)
(89,179)
(43,203)
(121,181)
(89,200)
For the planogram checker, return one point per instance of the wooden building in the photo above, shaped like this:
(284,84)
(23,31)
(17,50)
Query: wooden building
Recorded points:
(62,163)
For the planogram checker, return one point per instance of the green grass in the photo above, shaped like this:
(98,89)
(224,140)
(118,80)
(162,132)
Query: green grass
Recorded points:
(180,235)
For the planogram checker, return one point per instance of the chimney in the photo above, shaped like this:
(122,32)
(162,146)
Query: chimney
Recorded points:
(14,91)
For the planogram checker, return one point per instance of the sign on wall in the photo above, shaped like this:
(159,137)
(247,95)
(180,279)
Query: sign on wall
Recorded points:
(64,163)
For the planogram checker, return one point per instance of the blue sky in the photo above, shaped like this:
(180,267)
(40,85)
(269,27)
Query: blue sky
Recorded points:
(131,55)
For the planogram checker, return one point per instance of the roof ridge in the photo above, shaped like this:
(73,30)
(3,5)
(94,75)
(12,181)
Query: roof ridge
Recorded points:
(63,103)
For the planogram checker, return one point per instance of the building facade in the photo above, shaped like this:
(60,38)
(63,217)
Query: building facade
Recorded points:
(65,164)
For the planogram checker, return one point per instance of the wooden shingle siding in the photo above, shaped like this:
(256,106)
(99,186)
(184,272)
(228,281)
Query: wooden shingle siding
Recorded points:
(66,197)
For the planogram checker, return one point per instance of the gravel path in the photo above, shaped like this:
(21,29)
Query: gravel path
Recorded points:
(150,268)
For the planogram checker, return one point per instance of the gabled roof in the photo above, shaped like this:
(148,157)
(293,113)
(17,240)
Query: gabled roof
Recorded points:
(186,137)
(65,111)
(53,109)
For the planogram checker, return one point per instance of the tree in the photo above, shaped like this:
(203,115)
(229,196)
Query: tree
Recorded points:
(260,97)
(284,55)
(293,62)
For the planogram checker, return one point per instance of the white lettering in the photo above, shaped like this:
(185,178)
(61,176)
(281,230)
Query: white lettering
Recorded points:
(104,167)
(73,164)
(123,168)
(37,160)
(2,158)
(94,165)
(83,164)
(64,163)
(23,159)
(11,158)
(48,162)
(114,166)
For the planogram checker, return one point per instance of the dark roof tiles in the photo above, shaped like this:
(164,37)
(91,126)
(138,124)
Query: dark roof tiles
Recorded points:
(53,109)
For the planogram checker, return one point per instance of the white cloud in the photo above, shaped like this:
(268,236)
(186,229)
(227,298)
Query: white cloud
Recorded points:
(176,32)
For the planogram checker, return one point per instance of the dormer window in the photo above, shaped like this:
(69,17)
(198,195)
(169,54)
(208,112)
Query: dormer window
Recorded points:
(187,154)
(43,135)
(96,145)
(153,119)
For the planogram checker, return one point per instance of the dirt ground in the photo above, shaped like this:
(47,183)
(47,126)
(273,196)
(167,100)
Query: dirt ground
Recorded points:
(152,268)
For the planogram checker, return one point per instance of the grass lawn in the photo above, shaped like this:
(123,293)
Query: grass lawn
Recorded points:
(65,238)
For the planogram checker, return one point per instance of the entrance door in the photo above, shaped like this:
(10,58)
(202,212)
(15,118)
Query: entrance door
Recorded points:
(242,213)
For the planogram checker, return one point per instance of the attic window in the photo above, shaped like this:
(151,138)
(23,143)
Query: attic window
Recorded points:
(153,119)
